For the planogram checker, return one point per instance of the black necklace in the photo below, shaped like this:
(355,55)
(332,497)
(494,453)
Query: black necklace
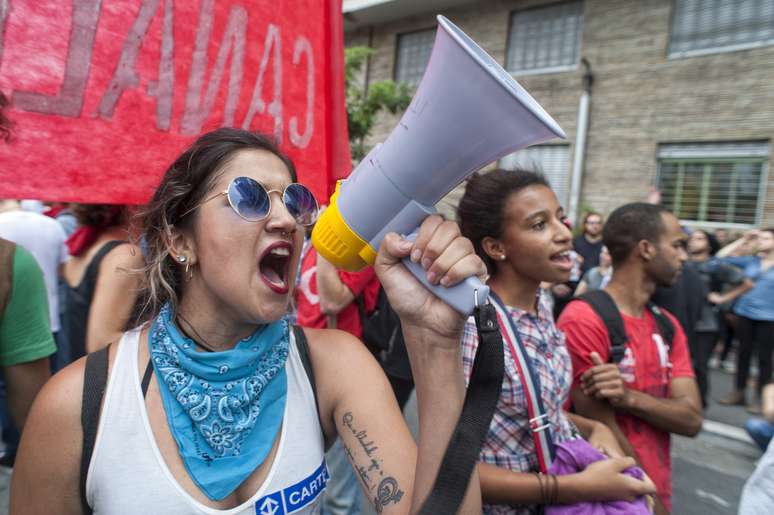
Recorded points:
(199,341)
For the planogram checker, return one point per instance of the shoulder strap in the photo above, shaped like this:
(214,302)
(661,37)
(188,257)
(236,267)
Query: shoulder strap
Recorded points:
(539,424)
(604,306)
(94,382)
(481,397)
(303,351)
(665,326)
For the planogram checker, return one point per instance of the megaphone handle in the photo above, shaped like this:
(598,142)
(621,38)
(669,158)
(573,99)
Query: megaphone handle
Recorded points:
(464,297)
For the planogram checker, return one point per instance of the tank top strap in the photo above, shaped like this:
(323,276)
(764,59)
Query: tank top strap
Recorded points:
(92,270)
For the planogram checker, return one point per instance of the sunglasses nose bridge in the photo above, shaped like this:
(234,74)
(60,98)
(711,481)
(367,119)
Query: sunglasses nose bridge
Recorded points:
(285,214)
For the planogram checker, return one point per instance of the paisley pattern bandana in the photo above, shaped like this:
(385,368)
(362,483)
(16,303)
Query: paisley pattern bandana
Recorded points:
(224,409)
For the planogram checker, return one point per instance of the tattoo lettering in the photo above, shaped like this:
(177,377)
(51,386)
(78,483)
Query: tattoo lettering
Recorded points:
(388,492)
(362,435)
(370,471)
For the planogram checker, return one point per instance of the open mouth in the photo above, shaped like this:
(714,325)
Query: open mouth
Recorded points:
(274,265)
(563,260)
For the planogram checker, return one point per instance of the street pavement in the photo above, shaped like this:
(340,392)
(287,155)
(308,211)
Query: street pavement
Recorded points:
(709,471)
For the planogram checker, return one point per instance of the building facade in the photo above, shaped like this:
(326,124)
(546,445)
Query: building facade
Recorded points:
(680,94)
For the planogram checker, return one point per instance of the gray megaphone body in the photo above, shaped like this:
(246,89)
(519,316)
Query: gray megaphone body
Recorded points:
(467,112)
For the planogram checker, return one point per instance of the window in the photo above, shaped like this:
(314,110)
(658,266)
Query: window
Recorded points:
(545,38)
(412,55)
(708,26)
(551,160)
(720,183)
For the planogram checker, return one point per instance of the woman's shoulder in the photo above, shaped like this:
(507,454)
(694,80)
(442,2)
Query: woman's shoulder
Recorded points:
(333,345)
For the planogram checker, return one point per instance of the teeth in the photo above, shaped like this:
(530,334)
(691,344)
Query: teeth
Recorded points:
(280,251)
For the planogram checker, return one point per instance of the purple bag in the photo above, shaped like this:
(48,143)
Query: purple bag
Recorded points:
(574,456)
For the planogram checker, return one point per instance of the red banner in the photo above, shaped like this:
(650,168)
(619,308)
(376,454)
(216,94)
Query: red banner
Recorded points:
(106,93)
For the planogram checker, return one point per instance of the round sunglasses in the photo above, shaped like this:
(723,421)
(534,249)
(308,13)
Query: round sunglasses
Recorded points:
(252,201)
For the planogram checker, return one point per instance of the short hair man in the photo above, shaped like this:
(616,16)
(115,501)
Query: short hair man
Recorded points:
(589,243)
(651,392)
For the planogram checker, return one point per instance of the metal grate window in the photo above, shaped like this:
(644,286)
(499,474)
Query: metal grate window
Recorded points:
(550,160)
(720,183)
(545,37)
(412,55)
(708,26)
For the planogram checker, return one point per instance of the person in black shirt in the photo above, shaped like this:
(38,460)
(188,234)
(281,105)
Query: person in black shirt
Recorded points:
(589,243)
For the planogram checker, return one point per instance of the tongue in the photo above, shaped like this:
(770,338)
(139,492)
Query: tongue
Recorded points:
(270,273)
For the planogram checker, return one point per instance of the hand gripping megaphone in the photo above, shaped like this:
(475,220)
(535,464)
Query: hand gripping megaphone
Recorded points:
(467,112)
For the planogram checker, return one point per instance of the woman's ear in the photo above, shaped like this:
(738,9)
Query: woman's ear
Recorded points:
(493,248)
(180,245)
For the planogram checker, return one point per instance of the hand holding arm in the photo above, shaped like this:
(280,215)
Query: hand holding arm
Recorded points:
(730,295)
(680,413)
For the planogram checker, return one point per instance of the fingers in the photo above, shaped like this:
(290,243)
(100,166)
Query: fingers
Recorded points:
(468,266)
(621,464)
(393,249)
(435,234)
(596,359)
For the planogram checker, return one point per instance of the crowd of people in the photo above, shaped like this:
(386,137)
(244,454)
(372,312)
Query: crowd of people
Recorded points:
(207,359)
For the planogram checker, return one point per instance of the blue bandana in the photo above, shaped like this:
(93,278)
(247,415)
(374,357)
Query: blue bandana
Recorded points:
(224,409)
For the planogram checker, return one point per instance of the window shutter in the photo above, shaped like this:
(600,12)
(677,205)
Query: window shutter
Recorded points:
(545,37)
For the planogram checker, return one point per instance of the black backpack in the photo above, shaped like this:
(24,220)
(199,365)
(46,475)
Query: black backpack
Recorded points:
(381,327)
(605,308)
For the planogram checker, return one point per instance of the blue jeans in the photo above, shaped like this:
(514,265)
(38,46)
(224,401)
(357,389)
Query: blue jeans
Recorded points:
(342,494)
(760,430)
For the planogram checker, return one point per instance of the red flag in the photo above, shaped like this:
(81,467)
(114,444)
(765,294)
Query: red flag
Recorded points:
(106,93)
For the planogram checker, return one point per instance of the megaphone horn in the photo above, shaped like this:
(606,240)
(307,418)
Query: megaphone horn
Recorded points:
(467,112)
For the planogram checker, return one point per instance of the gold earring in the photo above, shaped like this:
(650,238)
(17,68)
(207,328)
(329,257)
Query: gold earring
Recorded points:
(188,273)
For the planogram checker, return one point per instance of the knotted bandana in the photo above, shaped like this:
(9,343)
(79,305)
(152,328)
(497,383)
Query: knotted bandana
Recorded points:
(224,409)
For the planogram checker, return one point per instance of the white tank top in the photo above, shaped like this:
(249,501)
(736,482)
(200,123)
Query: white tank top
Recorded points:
(127,473)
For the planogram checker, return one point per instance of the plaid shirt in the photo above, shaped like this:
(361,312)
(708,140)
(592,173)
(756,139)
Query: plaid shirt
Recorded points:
(509,443)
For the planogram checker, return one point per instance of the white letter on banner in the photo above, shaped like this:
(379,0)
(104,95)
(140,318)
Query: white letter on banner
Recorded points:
(125,75)
(196,112)
(301,141)
(69,101)
(257,105)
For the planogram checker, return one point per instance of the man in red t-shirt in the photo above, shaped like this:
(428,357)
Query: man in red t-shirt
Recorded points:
(652,391)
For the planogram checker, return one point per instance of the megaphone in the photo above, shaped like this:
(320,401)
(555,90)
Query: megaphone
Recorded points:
(467,112)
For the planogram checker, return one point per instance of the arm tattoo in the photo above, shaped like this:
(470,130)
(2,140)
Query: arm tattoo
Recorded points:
(370,471)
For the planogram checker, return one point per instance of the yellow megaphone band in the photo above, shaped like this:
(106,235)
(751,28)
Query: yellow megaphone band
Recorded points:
(337,242)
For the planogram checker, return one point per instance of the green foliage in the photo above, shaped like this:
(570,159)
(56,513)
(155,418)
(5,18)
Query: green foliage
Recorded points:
(364,107)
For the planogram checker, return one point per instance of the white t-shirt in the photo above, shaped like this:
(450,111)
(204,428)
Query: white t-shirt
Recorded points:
(45,239)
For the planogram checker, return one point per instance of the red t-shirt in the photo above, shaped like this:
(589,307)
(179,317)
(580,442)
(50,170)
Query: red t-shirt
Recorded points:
(647,366)
(364,282)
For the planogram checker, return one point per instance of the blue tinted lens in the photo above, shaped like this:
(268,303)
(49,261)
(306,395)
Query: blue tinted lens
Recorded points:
(249,199)
(301,204)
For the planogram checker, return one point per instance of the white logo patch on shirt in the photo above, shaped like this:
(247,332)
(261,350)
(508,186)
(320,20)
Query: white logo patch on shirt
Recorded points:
(293,498)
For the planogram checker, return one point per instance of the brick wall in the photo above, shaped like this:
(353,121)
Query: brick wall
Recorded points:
(640,97)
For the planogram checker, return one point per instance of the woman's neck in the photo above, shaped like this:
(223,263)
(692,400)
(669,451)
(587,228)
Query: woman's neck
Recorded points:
(515,290)
(215,329)
(699,256)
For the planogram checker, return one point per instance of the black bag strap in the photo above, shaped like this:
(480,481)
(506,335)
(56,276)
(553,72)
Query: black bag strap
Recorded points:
(483,392)
(94,381)
(302,344)
(604,306)
(665,326)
